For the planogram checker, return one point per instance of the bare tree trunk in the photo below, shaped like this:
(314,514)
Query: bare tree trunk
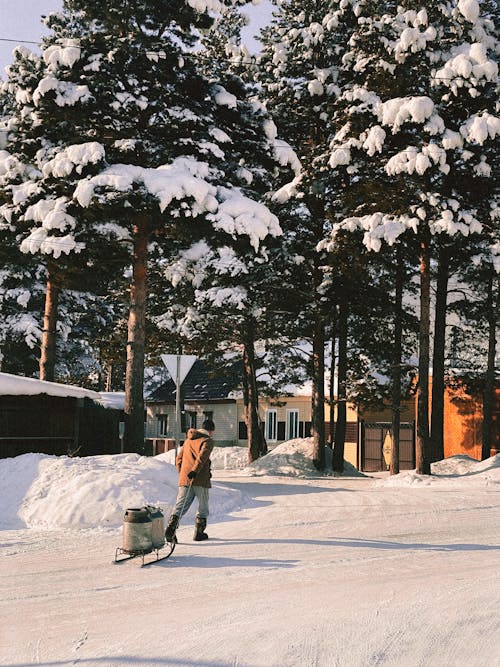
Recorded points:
(109,377)
(331,405)
(422,445)
(246,398)
(340,425)
(493,307)
(133,437)
(256,442)
(318,393)
(49,336)
(438,388)
(396,363)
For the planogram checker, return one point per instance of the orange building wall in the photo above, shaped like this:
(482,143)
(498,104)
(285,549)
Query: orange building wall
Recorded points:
(463,421)
(463,424)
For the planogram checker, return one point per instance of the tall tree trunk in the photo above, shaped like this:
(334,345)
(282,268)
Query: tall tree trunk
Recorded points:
(422,445)
(318,393)
(492,308)
(246,398)
(396,363)
(331,402)
(133,437)
(256,442)
(50,316)
(438,387)
(340,424)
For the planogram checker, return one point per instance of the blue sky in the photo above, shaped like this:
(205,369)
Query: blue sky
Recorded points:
(20,20)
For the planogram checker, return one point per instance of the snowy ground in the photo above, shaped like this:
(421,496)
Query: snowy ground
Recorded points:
(301,570)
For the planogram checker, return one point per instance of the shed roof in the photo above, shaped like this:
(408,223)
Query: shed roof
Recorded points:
(201,384)
(17,385)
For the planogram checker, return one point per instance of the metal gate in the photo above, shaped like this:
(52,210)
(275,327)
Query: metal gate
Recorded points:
(373,436)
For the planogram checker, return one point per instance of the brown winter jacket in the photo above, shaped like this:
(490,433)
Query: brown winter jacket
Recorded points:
(195,455)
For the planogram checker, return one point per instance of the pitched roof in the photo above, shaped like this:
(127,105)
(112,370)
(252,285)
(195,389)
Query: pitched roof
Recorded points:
(201,384)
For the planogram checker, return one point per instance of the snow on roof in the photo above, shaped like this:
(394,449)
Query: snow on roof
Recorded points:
(113,399)
(15,385)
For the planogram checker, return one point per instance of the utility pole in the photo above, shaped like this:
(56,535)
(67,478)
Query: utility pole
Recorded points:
(178,424)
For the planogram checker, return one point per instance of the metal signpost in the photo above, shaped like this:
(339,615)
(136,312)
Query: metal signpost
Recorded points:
(178,366)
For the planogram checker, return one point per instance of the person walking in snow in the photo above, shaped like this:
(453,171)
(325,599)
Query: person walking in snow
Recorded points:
(193,464)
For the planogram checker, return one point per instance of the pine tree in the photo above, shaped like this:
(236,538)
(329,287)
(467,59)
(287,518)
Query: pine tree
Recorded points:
(33,196)
(125,134)
(233,276)
(453,258)
(300,76)
(415,136)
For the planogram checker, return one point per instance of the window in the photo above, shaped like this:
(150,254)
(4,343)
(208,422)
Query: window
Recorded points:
(208,414)
(271,425)
(304,429)
(292,424)
(188,420)
(162,426)
(242,431)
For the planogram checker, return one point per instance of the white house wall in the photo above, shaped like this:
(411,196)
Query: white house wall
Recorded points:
(227,416)
(224,416)
(303,405)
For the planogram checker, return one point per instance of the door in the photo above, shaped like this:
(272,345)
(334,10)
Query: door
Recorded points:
(373,437)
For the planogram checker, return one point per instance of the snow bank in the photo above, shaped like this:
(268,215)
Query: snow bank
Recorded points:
(50,492)
(222,458)
(54,492)
(451,470)
(294,458)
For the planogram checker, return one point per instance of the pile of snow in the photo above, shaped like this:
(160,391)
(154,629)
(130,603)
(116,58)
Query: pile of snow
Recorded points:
(460,464)
(222,458)
(51,492)
(292,458)
(450,470)
(54,492)
(295,459)
(229,458)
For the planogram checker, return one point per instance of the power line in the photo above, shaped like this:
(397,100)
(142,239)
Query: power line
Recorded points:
(23,41)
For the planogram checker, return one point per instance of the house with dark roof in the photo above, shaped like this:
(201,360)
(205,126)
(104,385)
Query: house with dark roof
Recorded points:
(217,395)
(205,393)
(208,393)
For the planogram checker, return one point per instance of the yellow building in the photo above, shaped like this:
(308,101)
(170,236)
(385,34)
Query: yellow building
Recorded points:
(289,417)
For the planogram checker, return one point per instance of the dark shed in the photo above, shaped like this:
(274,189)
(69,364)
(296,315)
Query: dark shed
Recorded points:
(52,418)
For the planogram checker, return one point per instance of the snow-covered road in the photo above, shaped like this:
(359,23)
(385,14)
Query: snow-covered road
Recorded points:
(307,572)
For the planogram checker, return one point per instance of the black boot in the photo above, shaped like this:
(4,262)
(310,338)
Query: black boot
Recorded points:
(199,528)
(173,522)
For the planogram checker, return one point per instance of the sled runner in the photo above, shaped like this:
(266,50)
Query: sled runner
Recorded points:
(143,534)
(121,555)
